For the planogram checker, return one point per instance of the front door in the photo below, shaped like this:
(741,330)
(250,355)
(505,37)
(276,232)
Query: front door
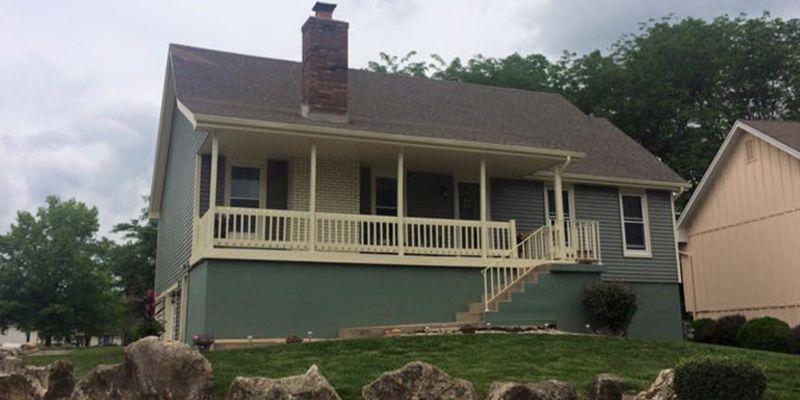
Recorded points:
(469,201)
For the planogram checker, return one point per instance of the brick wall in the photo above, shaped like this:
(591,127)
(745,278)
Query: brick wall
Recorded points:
(337,185)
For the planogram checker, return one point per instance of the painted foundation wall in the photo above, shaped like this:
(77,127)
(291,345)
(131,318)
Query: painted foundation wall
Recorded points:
(557,297)
(743,250)
(274,300)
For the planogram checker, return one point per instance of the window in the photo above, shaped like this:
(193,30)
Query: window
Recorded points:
(750,150)
(635,226)
(385,196)
(245,187)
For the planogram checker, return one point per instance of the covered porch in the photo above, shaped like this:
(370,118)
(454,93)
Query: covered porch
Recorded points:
(372,202)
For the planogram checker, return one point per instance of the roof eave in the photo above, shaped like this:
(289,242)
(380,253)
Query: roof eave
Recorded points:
(213,122)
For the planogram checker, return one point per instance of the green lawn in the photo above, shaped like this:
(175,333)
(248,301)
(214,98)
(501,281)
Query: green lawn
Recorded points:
(479,358)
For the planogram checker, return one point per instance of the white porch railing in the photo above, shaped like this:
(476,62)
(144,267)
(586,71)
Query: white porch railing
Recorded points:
(581,244)
(232,227)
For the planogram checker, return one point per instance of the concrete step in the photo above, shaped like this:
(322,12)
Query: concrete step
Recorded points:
(469,317)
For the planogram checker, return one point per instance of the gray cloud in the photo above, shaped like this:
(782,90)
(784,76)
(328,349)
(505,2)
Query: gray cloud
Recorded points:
(80,81)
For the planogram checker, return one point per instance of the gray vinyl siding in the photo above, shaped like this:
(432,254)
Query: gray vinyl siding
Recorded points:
(430,195)
(602,204)
(174,244)
(522,201)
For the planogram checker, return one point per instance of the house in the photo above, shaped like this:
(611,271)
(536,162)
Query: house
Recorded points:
(740,231)
(308,198)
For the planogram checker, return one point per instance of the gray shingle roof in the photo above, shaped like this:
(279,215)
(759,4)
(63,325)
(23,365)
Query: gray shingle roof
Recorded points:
(224,84)
(786,132)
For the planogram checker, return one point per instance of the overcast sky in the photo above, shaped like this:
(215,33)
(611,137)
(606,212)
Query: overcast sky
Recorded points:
(81,80)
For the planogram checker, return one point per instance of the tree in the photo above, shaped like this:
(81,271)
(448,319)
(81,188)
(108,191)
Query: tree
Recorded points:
(676,86)
(52,278)
(133,263)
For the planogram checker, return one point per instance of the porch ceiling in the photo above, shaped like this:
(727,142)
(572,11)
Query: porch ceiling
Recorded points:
(381,156)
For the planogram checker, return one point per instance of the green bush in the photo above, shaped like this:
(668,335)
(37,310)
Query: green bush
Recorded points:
(145,328)
(610,307)
(794,340)
(726,330)
(703,330)
(719,379)
(765,333)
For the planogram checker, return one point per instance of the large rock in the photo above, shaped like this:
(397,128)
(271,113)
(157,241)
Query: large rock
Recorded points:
(152,369)
(662,388)
(17,387)
(418,381)
(106,382)
(607,387)
(547,390)
(309,386)
(53,382)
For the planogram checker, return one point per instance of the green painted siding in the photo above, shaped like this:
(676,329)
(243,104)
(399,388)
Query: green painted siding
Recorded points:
(522,201)
(602,204)
(659,311)
(556,297)
(272,299)
(196,301)
(205,180)
(175,222)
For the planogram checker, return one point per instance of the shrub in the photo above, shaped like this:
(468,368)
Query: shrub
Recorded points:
(703,330)
(145,328)
(719,378)
(765,333)
(794,340)
(610,307)
(726,330)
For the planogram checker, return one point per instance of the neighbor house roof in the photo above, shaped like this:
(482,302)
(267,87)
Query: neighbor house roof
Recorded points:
(785,135)
(215,83)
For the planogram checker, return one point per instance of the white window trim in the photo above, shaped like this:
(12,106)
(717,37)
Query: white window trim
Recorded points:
(247,163)
(570,194)
(648,251)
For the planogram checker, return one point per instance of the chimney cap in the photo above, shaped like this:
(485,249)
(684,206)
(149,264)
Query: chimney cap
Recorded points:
(324,9)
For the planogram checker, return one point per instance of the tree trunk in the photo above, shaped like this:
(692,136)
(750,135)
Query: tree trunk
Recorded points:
(27,337)
(48,341)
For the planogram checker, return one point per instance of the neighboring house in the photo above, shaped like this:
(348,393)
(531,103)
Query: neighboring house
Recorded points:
(740,232)
(13,336)
(345,198)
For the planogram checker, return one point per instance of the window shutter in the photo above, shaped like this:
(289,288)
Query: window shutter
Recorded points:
(278,184)
(365,191)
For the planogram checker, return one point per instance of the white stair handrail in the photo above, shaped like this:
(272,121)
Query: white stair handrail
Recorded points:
(498,278)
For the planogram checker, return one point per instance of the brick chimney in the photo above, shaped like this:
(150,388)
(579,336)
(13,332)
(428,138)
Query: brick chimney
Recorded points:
(324,66)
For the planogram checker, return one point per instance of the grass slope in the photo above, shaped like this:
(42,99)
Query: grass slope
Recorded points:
(481,359)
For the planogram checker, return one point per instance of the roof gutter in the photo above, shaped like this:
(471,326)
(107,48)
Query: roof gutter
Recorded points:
(211,122)
(615,181)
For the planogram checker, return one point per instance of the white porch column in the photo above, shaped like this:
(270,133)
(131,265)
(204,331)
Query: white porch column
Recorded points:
(312,200)
(484,231)
(559,225)
(212,189)
(401,229)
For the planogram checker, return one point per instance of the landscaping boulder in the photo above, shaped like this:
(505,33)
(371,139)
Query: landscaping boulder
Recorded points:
(418,381)
(661,389)
(11,365)
(547,390)
(310,386)
(106,382)
(17,387)
(607,387)
(53,382)
(152,369)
